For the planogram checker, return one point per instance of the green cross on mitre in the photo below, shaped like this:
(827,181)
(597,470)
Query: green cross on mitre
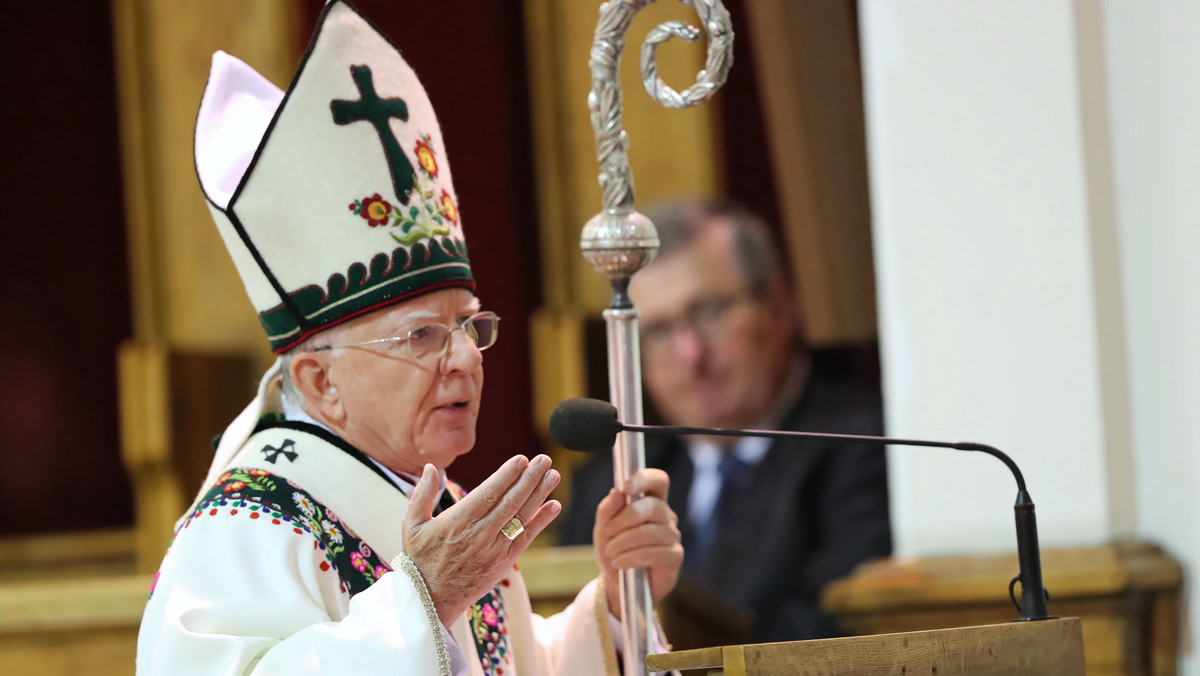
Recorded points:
(378,112)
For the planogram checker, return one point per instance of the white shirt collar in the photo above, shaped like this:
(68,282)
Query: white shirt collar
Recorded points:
(706,455)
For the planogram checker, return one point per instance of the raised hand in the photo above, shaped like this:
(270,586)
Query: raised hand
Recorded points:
(461,553)
(642,533)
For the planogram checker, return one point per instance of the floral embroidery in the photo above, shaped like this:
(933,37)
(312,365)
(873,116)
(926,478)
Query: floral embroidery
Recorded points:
(425,158)
(330,530)
(410,224)
(304,503)
(489,623)
(374,209)
(448,206)
(260,495)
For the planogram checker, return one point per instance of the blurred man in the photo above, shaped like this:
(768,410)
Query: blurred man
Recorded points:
(766,524)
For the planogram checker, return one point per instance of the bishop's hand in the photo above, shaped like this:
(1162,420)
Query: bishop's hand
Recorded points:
(461,552)
(638,533)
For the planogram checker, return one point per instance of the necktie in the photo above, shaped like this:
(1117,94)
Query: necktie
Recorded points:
(734,473)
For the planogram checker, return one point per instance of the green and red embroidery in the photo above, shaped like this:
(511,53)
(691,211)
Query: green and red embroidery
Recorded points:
(418,221)
(489,622)
(258,494)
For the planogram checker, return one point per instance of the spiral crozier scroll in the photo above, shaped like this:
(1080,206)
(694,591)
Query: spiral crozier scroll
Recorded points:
(619,241)
(604,101)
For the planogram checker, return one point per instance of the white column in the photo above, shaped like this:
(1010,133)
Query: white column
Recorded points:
(1154,73)
(1035,187)
(987,273)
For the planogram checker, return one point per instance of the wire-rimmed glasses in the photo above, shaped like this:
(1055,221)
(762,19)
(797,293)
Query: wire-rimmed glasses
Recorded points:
(431,340)
(704,317)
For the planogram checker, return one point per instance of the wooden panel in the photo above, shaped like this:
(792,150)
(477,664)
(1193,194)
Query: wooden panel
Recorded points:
(71,626)
(59,555)
(807,57)
(1048,648)
(185,288)
(1126,594)
(173,403)
(554,575)
(97,652)
(186,294)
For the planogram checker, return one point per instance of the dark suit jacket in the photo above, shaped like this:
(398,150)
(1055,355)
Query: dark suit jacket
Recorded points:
(814,510)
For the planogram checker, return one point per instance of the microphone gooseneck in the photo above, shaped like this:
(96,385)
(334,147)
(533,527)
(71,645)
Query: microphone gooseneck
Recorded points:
(591,425)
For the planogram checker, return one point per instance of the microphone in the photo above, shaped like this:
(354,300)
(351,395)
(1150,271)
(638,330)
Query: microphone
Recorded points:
(591,425)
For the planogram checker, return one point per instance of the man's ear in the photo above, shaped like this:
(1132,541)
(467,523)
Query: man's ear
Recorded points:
(310,372)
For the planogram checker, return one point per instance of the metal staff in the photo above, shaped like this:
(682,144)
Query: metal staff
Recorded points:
(619,241)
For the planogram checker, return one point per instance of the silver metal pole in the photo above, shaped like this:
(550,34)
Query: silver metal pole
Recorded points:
(624,382)
(619,241)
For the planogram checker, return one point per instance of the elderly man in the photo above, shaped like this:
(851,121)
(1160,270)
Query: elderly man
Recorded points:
(327,538)
(766,524)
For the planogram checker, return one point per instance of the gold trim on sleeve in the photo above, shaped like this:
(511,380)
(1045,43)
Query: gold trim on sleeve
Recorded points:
(402,562)
(607,645)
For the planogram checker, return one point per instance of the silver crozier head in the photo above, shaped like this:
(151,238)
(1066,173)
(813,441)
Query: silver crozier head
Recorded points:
(619,242)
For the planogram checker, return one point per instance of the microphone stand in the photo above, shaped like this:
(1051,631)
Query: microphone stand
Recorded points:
(619,241)
(1034,596)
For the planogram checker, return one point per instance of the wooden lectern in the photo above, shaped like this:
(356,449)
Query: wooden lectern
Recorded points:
(1044,648)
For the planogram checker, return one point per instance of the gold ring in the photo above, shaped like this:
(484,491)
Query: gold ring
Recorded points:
(513,528)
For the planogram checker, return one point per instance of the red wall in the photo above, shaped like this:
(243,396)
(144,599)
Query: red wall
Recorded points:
(64,295)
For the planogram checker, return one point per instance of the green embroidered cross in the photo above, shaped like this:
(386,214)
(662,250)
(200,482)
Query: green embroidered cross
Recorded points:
(378,111)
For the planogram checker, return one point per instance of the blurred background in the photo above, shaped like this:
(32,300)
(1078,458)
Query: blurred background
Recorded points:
(989,211)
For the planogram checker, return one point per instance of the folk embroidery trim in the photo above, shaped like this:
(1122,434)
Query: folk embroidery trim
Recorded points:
(258,494)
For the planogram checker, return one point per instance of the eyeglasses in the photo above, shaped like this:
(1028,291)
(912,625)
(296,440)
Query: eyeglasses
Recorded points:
(703,317)
(432,339)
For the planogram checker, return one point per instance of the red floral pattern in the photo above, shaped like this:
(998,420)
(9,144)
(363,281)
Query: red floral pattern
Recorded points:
(374,209)
(448,208)
(425,157)
(428,216)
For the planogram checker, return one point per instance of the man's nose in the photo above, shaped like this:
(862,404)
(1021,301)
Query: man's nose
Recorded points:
(462,354)
(687,344)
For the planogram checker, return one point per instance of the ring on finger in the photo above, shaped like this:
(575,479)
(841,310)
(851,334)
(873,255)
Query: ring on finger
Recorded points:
(513,528)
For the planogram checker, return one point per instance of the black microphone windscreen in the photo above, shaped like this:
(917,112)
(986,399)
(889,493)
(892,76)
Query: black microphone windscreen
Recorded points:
(584,425)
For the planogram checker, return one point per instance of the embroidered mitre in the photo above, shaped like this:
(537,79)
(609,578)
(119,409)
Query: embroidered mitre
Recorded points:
(334,197)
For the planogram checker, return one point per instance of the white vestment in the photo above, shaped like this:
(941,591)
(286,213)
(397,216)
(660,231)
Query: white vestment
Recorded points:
(244,589)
